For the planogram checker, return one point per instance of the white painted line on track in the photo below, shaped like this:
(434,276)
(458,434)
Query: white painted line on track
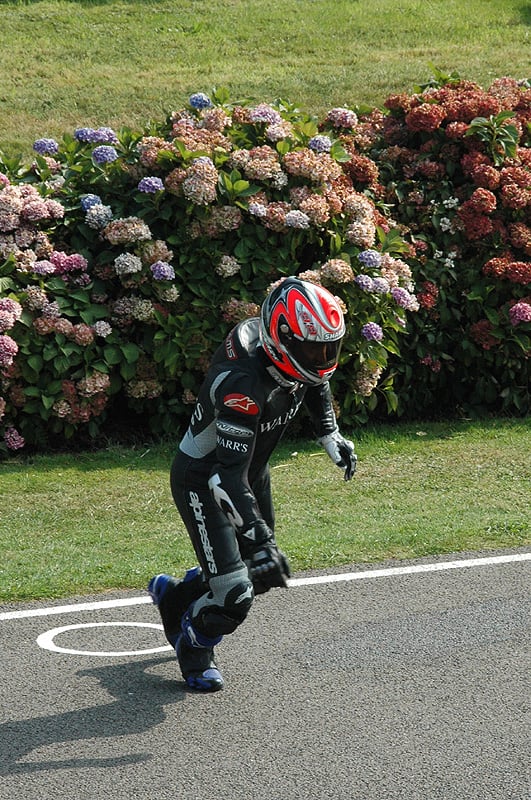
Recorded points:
(95,606)
(47,640)
(411,569)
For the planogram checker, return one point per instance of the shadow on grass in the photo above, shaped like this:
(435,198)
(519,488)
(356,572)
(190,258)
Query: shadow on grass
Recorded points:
(443,429)
(148,456)
(158,454)
(525,13)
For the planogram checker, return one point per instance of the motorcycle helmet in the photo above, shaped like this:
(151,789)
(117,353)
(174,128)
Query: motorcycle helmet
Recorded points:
(301,330)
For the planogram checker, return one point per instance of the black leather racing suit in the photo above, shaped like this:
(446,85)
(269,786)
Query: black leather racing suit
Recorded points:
(220,476)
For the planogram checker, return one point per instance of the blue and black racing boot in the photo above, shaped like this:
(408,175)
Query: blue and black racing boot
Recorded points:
(173,597)
(195,654)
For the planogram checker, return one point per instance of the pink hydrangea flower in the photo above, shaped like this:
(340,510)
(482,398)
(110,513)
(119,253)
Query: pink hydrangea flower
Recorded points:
(520,312)
(342,118)
(13,439)
(12,308)
(8,350)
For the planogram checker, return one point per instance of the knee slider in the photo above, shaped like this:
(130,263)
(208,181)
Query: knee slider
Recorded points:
(225,606)
(239,599)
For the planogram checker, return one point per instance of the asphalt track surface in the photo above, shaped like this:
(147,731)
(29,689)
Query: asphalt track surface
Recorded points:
(386,685)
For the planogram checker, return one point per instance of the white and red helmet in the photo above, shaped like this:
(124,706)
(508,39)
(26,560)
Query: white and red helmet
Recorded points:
(301,330)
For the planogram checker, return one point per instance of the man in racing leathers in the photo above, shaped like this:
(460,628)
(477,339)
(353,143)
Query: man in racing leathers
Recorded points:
(259,377)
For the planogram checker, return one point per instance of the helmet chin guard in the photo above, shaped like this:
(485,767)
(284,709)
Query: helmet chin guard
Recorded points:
(301,330)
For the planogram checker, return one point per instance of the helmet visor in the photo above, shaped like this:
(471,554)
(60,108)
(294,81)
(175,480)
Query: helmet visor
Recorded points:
(315,356)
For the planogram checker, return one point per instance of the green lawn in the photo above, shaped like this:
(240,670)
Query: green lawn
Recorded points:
(73,63)
(87,522)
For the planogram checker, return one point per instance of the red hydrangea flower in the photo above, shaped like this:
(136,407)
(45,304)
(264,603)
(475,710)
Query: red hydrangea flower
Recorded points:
(486,176)
(426,117)
(497,267)
(482,201)
(428,295)
(519,272)
(476,226)
(520,236)
(481,334)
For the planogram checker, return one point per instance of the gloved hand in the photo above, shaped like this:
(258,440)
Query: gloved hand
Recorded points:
(268,567)
(341,451)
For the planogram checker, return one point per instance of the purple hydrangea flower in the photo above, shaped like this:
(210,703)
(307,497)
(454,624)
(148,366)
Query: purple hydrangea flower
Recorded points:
(46,147)
(162,271)
(89,200)
(150,185)
(104,136)
(264,113)
(403,298)
(380,285)
(342,118)
(51,310)
(370,258)
(104,154)
(12,307)
(257,209)
(320,144)
(372,332)
(96,136)
(297,219)
(8,350)
(43,267)
(365,282)
(83,134)
(199,100)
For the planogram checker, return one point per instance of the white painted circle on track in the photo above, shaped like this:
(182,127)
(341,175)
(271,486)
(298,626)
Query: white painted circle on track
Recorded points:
(47,640)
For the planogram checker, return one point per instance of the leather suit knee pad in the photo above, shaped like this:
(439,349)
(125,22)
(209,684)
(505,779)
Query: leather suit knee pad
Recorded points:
(225,606)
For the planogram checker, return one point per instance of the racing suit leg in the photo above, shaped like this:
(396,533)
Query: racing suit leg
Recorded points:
(225,606)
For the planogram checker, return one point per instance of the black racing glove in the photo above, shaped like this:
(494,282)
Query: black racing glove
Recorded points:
(268,566)
(341,451)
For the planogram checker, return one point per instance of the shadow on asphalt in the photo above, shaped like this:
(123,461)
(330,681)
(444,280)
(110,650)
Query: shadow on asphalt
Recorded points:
(138,706)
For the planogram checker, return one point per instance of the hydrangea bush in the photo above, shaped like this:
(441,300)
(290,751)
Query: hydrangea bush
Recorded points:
(456,163)
(126,256)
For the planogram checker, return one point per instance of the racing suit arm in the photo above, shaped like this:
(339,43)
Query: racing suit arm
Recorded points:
(319,403)
(230,488)
(229,479)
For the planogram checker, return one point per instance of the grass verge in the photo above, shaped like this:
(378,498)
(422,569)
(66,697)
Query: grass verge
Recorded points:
(81,523)
(73,63)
